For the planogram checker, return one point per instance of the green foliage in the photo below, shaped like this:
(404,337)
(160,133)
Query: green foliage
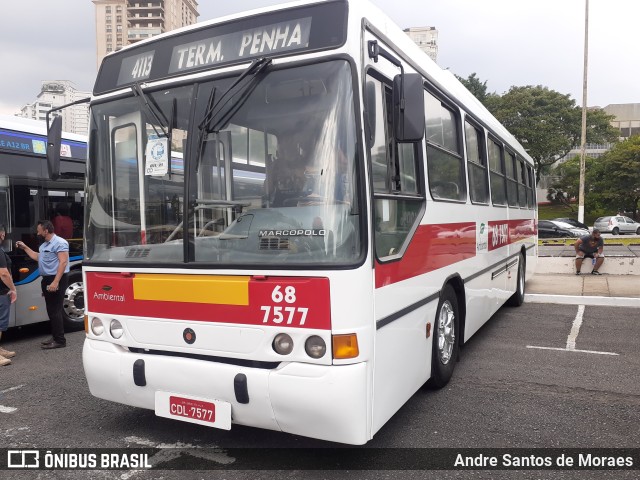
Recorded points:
(612,181)
(548,124)
(615,179)
(475,86)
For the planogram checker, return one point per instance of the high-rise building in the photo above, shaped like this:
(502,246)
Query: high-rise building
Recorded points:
(426,38)
(123,22)
(55,93)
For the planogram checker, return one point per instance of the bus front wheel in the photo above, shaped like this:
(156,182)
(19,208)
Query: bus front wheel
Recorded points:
(73,305)
(445,338)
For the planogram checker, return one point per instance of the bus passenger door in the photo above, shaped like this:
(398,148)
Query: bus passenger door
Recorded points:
(402,351)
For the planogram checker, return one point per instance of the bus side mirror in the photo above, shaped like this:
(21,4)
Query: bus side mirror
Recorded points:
(54,141)
(408,107)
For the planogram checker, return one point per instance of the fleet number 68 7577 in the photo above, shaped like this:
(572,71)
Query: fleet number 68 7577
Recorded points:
(284,314)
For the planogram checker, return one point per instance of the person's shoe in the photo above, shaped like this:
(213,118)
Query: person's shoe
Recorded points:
(6,353)
(52,345)
(47,341)
(578,272)
(4,361)
(595,272)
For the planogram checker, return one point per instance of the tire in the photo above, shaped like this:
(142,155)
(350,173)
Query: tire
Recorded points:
(445,339)
(73,304)
(518,297)
(615,231)
(638,231)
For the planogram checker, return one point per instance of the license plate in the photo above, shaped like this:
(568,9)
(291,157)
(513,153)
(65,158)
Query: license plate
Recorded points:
(209,412)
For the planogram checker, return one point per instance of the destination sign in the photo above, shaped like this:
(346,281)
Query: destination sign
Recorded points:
(275,38)
(22,142)
(283,32)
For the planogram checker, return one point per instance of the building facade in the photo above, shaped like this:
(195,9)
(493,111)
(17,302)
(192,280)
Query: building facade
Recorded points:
(627,118)
(426,38)
(123,22)
(55,93)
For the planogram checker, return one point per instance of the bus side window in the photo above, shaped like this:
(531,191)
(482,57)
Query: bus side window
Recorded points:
(394,168)
(445,164)
(477,164)
(498,179)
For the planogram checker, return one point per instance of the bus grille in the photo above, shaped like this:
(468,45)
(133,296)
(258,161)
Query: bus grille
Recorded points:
(274,243)
(138,252)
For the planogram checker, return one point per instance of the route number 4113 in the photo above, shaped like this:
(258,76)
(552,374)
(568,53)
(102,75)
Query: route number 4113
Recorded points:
(278,314)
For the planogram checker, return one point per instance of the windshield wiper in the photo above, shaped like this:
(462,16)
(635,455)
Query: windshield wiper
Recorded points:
(151,110)
(218,111)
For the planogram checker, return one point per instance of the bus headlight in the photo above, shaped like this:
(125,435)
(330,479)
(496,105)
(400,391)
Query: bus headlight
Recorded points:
(283,344)
(315,347)
(116,329)
(96,326)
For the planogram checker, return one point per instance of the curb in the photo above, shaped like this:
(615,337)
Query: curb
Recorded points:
(583,300)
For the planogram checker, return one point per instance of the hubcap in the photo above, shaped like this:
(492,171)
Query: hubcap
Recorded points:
(446,332)
(74,301)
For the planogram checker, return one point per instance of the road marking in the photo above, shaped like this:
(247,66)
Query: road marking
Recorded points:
(573,335)
(3,408)
(11,389)
(575,329)
(572,350)
(170,451)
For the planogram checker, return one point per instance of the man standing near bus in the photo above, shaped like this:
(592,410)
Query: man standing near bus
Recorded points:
(53,262)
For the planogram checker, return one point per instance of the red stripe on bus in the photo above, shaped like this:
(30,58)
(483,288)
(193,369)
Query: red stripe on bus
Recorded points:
(297,302)
(506,232)
(437,246)
(432,247)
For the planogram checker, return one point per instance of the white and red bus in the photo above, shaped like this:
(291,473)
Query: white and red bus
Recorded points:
(341,217)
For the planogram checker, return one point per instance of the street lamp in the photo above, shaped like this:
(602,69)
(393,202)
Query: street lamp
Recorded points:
(583,142)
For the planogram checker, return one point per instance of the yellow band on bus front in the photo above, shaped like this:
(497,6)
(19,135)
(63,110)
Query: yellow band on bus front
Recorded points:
(219,290)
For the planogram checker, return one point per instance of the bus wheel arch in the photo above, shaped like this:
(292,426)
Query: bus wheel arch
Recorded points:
(73,303)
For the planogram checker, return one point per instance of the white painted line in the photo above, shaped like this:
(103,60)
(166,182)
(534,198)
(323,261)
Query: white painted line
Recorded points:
(169,451)
(11,389)
(575,329)
(4,409)
(583,300)
(573,350)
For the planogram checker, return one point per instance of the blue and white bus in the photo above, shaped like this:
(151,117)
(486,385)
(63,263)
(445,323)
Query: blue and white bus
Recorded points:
(28,195)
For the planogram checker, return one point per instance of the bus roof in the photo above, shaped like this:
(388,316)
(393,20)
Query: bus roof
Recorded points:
(360,10)
(37,127)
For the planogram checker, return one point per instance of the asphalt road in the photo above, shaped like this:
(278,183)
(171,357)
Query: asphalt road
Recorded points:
(520,383)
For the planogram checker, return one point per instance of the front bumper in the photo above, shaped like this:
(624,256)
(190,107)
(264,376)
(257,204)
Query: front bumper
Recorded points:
(327,402)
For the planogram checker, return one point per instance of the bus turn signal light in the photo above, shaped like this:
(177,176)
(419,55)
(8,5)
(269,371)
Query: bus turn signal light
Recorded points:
(345,346)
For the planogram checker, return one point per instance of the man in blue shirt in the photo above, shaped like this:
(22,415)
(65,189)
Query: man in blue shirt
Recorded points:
(53,262)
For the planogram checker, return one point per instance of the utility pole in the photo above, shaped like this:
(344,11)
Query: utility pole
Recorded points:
(583,142)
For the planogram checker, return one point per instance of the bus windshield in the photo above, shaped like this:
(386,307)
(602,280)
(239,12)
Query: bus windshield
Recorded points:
(268,171)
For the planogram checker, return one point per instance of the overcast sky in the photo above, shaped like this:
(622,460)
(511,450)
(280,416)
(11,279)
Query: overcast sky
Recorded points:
(505,42)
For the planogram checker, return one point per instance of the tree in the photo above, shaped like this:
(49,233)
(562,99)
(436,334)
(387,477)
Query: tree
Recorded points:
(616,181)
(548,123)
(475,86)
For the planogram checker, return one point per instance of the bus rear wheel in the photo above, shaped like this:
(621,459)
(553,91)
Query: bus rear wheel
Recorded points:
(73,304)
(445,339)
